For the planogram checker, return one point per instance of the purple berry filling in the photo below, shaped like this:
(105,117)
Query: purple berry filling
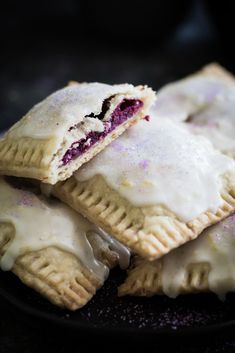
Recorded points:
(125,110)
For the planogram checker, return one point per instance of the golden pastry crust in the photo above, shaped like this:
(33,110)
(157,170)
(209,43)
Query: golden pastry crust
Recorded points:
(215,69)
(150,232)
(145,279)
(26,156)
(56,274)
(39,156)
(30,158)
(205,264)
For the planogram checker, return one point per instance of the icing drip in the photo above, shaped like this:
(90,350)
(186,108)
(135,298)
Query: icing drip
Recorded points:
(40,223)
(121,250)
(207,103)
(160,163)
(215,246)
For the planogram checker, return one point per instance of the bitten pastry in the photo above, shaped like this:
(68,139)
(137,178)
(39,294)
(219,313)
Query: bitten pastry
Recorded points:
(206,102)
(155,188)
(53,249)
(204,264)
(70,127)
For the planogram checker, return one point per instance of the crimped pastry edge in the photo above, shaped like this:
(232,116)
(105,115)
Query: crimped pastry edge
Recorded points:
(151,232)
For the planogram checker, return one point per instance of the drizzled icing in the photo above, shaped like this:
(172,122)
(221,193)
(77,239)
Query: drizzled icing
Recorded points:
(216,247)
(122,251)
(40,223)
(208,102)
(160,163)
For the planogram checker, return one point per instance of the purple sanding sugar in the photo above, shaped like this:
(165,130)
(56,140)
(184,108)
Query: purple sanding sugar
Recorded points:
(119,147)
(125,110)
(232,218)
(27,199)
(144,164)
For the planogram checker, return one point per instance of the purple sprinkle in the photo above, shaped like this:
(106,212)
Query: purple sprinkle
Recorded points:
(119,147)
(144,164)
(26,200)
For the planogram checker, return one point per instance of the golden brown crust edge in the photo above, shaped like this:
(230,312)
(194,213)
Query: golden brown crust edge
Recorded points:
(57,275)
(136,226)
(31,158)
(145,279)
(215,69)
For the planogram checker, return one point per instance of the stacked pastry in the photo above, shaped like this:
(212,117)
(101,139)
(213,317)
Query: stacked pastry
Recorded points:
(150,192)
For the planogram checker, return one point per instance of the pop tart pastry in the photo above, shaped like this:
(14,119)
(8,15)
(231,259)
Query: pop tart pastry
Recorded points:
(206,102)
(155,188)
(204,264)
(70,127)
(52,249)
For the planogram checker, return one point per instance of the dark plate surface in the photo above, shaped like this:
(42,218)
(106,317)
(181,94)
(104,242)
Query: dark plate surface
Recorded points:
(106,313)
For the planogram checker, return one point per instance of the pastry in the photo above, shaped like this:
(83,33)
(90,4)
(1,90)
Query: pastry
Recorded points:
(70,127)
(155,188)
(206,102)
(204,264)
(53,249)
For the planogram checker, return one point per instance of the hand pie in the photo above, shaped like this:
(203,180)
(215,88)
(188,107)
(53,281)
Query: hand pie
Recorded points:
(204,264)
(155,188)
(206,102)
(52,249)
(70,127)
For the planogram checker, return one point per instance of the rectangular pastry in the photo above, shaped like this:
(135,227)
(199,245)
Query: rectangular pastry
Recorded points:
(155,188)
(52,249)
(206,102)
(204,264)
(70,127)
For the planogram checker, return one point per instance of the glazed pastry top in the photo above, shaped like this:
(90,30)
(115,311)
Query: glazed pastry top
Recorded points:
(67,108)
(160,163)
(207,102)
(215,246)
(39,223)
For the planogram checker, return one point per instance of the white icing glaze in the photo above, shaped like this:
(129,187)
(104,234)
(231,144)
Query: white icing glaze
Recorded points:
(217,122)
(63,116)
(40,223)
(68,107)
(160,162)
(214,246)
(209,101)
(121,250)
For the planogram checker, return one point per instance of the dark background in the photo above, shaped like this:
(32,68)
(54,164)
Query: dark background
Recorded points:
(44,44)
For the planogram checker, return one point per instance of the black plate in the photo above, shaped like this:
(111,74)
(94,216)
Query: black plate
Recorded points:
(106,313)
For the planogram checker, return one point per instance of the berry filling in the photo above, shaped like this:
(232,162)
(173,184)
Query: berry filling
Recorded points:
(125,110)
